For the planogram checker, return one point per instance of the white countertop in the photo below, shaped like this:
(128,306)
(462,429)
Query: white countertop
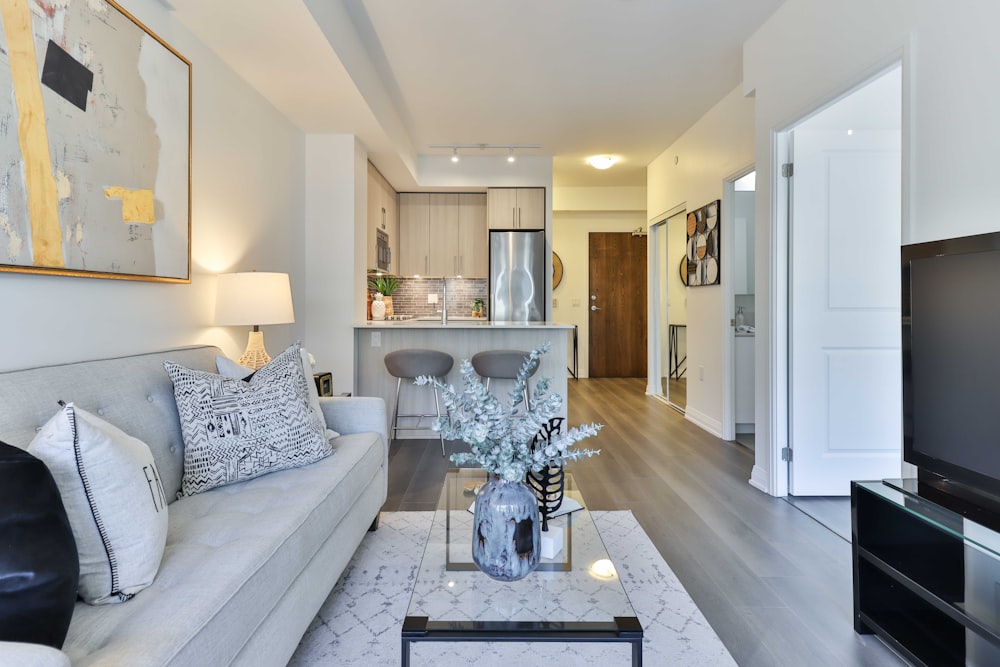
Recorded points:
(459,323)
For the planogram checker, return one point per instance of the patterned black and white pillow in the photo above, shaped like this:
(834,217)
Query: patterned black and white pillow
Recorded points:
(235,430)
(233,369)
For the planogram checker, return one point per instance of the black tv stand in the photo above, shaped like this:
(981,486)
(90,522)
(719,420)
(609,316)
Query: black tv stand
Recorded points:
(926,579)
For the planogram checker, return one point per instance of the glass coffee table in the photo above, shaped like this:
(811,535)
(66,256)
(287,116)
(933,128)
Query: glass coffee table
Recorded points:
(574,597)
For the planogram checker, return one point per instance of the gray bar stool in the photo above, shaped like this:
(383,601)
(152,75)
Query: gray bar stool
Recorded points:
(410,364)
(501,364)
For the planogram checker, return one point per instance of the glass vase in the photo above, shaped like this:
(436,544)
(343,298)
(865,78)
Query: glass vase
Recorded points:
(505,530)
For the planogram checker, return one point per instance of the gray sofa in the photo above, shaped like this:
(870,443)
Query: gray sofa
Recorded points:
(246,566)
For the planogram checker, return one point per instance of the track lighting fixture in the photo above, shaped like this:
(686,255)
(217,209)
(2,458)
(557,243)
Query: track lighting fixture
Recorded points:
(483,147)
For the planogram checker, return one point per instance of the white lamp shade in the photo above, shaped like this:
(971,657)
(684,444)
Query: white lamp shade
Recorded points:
(253,298)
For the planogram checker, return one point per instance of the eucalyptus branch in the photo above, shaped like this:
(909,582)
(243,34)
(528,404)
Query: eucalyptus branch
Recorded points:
(500,436)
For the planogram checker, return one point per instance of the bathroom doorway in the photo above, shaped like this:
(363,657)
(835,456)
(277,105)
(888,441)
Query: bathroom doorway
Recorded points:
(743,197)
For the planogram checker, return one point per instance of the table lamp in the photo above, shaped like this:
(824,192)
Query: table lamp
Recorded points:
(254,298)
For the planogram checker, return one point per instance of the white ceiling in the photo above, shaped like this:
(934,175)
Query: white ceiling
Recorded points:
(578,77)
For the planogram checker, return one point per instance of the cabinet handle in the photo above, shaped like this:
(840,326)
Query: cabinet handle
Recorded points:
(513,217)
(427,265)
(519,217)
(454,264)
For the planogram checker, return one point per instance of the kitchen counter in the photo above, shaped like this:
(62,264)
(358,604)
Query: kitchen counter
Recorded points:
(458,323)
(461,338)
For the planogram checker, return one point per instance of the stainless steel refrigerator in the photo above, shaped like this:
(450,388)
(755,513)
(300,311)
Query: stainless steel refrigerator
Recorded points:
(517,276)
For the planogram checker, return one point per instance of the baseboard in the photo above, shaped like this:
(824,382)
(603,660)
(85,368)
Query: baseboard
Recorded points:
(704,422)
(759,479)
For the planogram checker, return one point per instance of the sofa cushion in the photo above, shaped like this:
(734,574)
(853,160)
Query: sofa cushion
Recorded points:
(231,553)
(233,369)
(132,392)
(236,430)
(113,497)
(39,566)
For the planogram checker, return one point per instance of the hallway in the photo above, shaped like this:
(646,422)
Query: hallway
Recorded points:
(774,583)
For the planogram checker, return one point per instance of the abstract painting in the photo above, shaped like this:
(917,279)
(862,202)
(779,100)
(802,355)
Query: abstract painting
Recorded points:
(702,253)
(95,144)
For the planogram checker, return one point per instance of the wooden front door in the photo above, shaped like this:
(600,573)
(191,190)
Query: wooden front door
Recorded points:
(617,305)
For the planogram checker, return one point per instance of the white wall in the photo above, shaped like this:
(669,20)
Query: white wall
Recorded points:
(571,241)
(811,52)
(247,214)
(336,201)
(690,173)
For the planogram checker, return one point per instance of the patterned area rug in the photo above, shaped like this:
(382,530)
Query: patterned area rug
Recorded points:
(360,622)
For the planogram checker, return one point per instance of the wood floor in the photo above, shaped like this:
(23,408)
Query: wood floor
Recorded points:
(774,584)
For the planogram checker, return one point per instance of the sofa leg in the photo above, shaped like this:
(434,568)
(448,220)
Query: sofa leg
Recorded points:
(372,528)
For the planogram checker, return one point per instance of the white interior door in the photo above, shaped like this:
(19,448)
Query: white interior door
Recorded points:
(845,361)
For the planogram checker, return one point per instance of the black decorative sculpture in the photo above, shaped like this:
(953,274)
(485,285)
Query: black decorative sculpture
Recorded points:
(549,483)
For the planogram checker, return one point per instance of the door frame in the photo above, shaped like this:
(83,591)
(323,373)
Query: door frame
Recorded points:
(728,269)
(775,480)
(656,224)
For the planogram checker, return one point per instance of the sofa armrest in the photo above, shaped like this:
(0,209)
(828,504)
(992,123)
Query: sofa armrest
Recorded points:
(31,655)
(359,414)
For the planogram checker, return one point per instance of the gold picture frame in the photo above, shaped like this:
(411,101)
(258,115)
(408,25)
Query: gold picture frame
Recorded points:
(96,141)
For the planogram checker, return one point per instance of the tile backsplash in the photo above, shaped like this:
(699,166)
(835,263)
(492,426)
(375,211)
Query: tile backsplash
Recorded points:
(411,296)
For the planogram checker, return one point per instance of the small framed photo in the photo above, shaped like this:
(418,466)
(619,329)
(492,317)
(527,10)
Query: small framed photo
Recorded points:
(324,383)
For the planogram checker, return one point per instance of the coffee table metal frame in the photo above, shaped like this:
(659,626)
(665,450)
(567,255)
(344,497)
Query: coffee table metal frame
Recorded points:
(617,629)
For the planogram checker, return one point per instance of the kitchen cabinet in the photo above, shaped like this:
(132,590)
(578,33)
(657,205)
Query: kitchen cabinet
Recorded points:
(744,412)
(443,234)
(383,221)
(516,208)
(473,236)
(443,239)
(414,233)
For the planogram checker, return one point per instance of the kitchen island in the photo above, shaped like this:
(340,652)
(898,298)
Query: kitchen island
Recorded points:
(461,338)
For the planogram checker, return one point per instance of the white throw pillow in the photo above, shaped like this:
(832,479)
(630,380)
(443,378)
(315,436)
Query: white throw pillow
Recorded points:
(236,430)
(233,369)
(114,499)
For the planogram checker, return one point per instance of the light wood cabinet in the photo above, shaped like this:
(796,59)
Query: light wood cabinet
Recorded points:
(443,234)
(473,236)
(414,233)
(516,208)
(382,216)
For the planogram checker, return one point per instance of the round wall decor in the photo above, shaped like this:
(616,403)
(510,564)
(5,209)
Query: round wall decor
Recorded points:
(557,270)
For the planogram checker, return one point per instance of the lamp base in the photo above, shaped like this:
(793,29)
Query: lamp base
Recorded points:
(255,355)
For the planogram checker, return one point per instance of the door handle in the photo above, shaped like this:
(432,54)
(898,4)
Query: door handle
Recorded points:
(594,308)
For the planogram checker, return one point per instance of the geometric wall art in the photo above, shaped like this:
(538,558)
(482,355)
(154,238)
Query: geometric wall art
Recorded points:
(702,254)
(95,144)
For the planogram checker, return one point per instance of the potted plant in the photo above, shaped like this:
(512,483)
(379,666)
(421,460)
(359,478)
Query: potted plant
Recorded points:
(384,285)
(505,542)
(477,308)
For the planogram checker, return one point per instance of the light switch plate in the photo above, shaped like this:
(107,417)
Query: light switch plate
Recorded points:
(432,298)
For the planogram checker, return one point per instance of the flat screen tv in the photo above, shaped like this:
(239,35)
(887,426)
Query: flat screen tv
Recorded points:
(951,365)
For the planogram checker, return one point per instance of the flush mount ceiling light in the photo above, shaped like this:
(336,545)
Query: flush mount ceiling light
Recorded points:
(601,161)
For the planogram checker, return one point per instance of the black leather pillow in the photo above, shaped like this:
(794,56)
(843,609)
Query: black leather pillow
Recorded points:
(39,566)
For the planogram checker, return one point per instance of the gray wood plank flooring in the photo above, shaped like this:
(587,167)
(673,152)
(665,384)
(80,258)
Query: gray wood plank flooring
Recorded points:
(774,584)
